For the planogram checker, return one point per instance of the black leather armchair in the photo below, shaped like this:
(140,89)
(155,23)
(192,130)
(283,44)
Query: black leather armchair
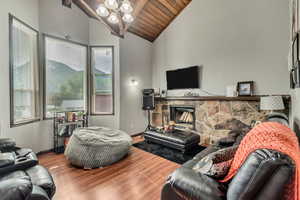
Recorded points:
(263,175)
(21,178)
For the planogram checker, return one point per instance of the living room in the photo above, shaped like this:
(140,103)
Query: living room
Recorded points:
(94,72)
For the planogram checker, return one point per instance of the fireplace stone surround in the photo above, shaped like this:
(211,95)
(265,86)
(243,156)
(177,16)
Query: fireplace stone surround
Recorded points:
(212,115)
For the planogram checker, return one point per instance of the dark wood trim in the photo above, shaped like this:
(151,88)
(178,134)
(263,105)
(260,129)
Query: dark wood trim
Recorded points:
(217,98)
(92,79)
(11,73)
(44,69)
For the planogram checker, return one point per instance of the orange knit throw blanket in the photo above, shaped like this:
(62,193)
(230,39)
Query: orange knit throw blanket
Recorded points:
(274,136)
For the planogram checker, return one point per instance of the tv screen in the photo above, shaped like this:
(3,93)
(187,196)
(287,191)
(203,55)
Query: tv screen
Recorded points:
(186,78)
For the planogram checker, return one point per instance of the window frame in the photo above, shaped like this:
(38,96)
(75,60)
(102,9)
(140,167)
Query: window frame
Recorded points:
(11,74)
(86,76)
(91,81)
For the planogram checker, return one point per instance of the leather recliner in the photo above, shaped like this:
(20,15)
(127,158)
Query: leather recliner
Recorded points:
(263,175)
(21,178)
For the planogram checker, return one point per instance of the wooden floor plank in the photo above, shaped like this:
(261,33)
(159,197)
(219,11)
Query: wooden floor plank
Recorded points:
(139,176)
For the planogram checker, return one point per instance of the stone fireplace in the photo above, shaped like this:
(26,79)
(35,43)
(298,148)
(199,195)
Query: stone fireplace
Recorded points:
(210,117)
(183,116)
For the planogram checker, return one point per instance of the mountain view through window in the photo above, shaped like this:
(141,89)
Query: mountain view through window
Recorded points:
(66,65)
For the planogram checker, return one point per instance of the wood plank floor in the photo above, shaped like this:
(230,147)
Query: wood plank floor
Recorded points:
(140,176)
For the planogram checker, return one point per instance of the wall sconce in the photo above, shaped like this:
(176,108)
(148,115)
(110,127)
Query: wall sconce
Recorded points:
(134,82)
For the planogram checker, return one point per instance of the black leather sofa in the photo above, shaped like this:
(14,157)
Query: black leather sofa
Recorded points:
(21,178)
(263,176)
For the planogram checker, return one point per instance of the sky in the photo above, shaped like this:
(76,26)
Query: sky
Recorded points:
(70,54)
(102,59)
(75,55)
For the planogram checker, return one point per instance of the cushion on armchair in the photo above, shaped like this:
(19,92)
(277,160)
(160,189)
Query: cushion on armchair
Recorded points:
(216,164)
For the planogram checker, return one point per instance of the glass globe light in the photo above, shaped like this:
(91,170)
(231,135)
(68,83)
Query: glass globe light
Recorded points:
(113,18)
(127,18)
(102,11)
(126,7)
(111,4)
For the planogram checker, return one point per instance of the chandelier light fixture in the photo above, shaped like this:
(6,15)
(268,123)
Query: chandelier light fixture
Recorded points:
(112,9)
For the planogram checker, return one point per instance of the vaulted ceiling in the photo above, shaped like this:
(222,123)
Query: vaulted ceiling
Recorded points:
(151,16)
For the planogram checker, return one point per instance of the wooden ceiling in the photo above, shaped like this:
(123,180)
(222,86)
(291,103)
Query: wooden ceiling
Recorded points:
(151,16)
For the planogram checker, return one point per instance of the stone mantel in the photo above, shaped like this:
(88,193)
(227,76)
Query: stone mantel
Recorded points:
(216,98)
(214,115)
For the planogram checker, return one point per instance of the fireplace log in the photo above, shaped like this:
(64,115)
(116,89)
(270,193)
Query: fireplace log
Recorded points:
(182,117)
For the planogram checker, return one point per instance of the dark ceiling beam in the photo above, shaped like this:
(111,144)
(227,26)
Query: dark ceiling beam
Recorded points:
(86,7)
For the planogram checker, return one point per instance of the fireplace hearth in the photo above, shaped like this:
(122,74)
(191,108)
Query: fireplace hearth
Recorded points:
(183,116)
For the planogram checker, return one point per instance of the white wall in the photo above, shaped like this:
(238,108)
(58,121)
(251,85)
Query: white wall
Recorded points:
(135,63)
(57,20)
(37,135)
(234,40)
(100,35)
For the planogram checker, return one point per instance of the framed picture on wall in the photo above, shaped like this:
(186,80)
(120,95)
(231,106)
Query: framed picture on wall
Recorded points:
(245,88)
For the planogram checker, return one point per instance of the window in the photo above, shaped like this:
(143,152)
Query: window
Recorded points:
(24,74)
(102,90)
(65,72)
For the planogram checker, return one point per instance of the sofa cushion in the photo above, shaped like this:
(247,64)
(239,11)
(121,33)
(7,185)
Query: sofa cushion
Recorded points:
(42,178)
(216,164)
(262,169)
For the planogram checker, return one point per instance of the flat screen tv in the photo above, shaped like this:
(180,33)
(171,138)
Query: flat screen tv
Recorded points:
(186,78)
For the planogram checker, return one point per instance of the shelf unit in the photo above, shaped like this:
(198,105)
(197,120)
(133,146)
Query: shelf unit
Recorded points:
(63,127)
